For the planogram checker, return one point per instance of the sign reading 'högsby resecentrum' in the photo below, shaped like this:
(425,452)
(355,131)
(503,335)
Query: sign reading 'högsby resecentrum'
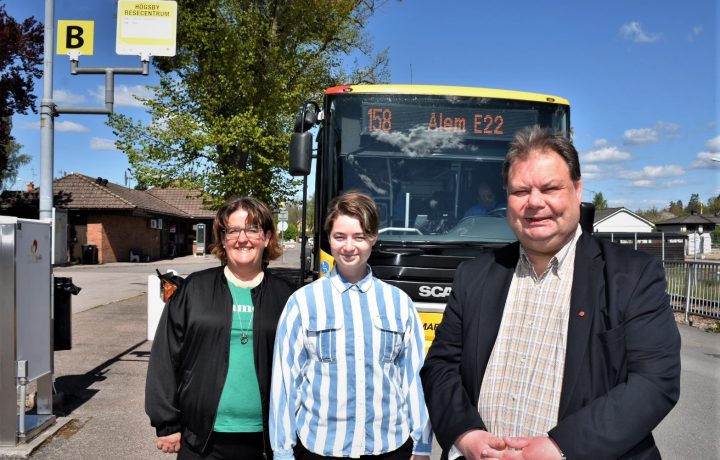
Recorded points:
(146,28)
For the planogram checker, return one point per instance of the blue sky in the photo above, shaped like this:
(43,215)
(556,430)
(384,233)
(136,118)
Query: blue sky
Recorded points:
(641,77)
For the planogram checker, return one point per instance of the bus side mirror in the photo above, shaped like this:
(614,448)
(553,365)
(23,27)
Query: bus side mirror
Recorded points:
(587,216)
(300,153)
(306,119)
(301,140)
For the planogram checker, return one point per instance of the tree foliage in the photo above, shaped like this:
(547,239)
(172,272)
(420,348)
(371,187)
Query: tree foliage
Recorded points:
(222,113)
(21,46)
(295,214)
(599,201)
(694,206)
(713,205)
(676,208)
(14,159)
(291,233)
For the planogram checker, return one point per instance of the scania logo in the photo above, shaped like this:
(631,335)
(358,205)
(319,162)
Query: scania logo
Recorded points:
(434,291)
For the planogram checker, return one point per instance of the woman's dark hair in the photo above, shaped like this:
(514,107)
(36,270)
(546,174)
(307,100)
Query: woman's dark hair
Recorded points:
(357,205)
(537,138)
(258,214)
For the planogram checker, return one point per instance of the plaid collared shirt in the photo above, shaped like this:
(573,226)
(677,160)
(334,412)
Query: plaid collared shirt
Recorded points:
(520,393)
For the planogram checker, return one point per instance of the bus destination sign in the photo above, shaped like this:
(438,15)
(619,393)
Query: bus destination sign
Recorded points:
(472,123)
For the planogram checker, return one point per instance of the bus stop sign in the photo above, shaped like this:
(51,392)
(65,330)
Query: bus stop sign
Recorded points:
(146,27)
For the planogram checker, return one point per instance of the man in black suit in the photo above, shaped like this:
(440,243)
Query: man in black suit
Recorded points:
(560,345)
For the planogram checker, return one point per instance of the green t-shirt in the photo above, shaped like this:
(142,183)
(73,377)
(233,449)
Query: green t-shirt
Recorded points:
(240,410)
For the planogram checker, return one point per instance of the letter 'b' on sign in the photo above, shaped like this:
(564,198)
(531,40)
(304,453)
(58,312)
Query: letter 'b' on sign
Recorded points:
(75,36)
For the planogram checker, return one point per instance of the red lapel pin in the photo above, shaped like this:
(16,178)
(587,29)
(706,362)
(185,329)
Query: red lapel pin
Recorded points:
(581,314)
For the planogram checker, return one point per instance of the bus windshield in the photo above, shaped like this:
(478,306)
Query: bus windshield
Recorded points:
(433,163)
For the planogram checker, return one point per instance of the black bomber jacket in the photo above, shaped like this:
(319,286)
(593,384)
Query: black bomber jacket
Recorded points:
(189,358)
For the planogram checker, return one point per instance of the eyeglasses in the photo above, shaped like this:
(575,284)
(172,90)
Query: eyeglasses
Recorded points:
(253,232)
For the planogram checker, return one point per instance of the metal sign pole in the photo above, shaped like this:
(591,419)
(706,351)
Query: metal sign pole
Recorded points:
(47,108)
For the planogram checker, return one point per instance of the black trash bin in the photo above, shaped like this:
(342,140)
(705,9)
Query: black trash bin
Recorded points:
(89,254)
(62,305)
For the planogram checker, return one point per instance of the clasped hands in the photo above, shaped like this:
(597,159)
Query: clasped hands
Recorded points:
(479,444)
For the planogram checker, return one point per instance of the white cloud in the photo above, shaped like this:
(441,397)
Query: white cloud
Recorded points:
(656,184)
(661,130)
(600,143)
(695,32)
(70,127)
(655,177)
(591,172)
(653,172)
(61,126)
(101,143)
(675,183)
(62,97)
(640,136)
(713,144)
(608,154)
(124,95)
(706,160)
(642,183)
(633,31)
(668,129)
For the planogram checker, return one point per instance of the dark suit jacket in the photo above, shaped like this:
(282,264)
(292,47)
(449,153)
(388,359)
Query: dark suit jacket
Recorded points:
(622,366)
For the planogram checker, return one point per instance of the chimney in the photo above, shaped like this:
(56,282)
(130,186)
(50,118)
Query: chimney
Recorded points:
(30,186)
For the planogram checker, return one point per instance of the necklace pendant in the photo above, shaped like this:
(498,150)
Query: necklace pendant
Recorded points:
(243,339)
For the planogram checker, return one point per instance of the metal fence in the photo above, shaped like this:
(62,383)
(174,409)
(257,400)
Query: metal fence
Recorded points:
(666,246)
(694,287)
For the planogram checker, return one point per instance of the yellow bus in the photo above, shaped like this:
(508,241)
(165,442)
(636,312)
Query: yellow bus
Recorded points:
(431,158)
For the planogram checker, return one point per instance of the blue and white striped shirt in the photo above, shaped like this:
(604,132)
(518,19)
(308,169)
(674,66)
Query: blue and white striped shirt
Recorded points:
(346,371)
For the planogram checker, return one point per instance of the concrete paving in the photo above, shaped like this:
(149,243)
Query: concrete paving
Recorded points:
(107,283)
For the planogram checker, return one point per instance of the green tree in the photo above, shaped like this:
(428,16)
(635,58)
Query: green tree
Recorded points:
(694,205)
(652,214)
(20,64)
(14,160)
(291,233)
(676,208)
(222,114)
(599,201)
(713,205)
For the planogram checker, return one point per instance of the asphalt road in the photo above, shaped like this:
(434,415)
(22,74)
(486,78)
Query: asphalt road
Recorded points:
(102,284)
(102,378)
(692,429)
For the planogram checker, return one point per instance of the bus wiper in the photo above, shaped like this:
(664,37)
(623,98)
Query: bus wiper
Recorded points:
(401,251)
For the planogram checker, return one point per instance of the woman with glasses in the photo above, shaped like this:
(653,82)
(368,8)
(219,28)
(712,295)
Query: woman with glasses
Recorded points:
(208,383)
(347,357)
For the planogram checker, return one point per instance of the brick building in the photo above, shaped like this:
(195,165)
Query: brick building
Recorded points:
(107,221)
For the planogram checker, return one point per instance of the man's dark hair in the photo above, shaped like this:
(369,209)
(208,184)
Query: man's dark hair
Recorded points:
(537,138)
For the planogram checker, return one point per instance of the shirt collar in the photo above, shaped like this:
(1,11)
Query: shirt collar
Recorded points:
(342,285)
(557,262)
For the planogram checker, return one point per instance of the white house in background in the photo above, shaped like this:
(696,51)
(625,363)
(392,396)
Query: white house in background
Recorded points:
(620,220)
